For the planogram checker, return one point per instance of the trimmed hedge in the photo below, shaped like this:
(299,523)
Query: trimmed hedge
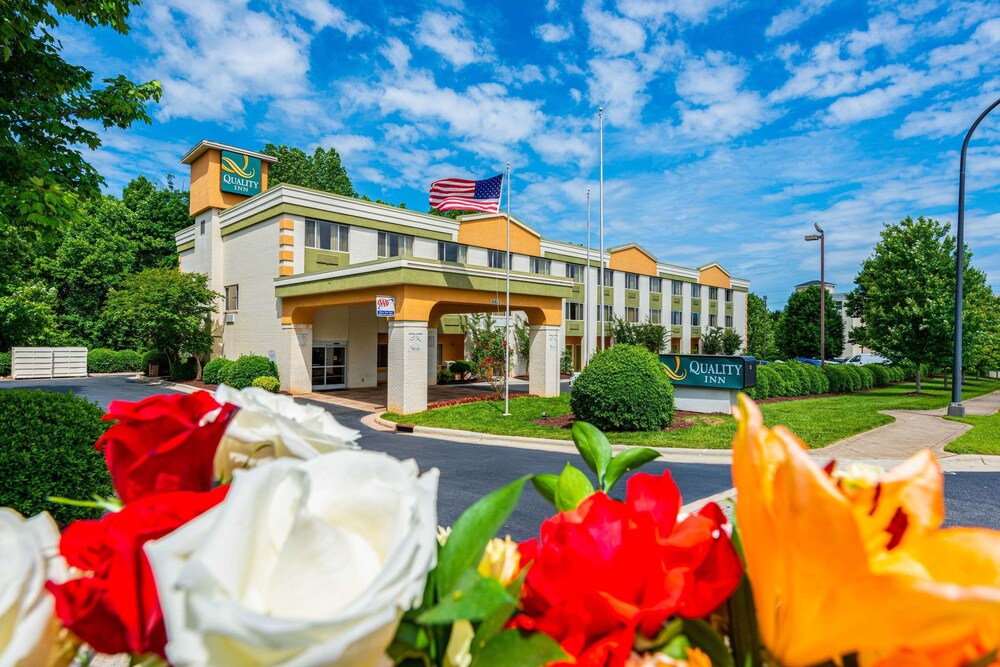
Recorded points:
(444,377)
(880,372)
(462,368)
(624,388)
(184,369)
(216,371)
(267,383)
(248,368)
(154,357)
(4,363)
(103,360)
(47,449)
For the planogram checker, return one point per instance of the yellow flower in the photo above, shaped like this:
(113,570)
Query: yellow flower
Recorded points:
(501,561)
(694,658)
(854,566)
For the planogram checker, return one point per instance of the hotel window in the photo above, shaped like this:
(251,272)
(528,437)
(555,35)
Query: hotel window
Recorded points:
(729,296)
(574,310)
(202,226)
(713,293)
(609,278)
(676,318)
(452,252)
(631,314)
(541,265)
(696,319)
(394,245)
(609,313)
(326,235)
(656,285)
(655,316)
(574,271)
(232,297)
(497,259)
(713,320)
(729,321)
(695,291)
(676,287)
(631,281)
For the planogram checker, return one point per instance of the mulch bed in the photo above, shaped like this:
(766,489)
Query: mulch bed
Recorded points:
(682,420)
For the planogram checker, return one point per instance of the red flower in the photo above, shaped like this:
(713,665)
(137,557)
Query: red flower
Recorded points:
(164,443)
(114,608)
(608,569)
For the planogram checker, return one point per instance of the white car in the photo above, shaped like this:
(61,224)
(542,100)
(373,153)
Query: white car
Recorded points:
(862,359)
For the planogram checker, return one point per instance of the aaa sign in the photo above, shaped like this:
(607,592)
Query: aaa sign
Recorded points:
(385,306)
(699,370)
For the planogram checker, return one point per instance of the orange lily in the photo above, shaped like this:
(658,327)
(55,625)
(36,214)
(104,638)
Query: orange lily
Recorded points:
(855,565)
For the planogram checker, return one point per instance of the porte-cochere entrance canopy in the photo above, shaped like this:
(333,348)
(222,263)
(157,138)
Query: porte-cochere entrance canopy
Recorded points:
(344,300)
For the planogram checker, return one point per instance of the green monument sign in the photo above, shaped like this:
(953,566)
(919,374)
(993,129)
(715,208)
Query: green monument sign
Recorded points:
(699,370)
(240,174)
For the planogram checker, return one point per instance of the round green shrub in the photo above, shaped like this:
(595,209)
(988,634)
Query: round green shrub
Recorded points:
(444,377)
(624,389)
(267,383)
(216,371)
(802,372)
(761,390)
(898,375)
(775,382)
(130,360)
(822,383)
(248,368)
(857,382)
(838,379)
(154,357)
(47,449)
(880,372)
(867,377)
(793,387)
(184,369)
(461,368)
(102,360)
(4,363)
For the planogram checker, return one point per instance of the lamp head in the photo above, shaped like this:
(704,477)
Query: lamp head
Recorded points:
(818,228)
(812,237)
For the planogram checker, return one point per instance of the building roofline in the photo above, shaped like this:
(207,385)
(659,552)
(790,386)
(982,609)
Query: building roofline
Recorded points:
(486,216)
(206,145)
(633,245)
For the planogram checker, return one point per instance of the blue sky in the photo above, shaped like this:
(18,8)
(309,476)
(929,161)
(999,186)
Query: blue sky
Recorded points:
(729,126)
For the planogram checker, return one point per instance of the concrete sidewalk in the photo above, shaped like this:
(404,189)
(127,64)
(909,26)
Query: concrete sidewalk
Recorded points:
(912,431)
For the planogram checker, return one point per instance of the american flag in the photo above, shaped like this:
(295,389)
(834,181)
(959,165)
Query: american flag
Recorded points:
(464,195)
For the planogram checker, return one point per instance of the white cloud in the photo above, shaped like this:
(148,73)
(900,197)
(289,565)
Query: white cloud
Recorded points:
(448,35)
(905,86)
(324,15)
(397,53)
(619,85)
(610,33)
(789,19)
(349,146)
(714,104)
(950,119)
(553,32)
(658,12)
(551,5)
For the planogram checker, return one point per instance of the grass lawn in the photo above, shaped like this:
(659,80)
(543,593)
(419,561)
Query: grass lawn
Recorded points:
(982,438)
(818,421)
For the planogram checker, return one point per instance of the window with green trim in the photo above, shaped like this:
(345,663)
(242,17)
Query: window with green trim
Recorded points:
(394,245)
(327,235)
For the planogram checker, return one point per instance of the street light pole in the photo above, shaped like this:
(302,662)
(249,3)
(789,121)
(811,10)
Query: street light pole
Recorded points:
(767,316)
(821,237)
(957,408)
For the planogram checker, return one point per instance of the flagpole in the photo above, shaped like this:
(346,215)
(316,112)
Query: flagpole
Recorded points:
(586,290)
(600,273)
(506,325)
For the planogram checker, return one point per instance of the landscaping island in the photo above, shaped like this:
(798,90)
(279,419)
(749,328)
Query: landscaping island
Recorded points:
(819,421)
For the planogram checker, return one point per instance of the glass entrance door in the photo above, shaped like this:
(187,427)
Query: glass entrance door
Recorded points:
(329,366)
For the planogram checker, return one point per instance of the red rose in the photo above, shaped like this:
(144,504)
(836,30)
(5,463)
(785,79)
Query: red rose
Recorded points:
(608,569)
(115,608)
(164,443)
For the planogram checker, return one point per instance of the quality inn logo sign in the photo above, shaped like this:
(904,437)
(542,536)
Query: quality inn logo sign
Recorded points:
(710,371)
(240,174)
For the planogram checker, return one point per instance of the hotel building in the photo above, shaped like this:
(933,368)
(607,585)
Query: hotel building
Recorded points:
(300,271)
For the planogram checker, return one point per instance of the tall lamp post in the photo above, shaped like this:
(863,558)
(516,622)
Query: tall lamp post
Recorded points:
(767,316)
(957,408)
(821,237)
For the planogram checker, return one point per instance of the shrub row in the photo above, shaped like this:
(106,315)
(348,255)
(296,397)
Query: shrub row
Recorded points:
(240,373)
(4,363)
(103,360)
(476,399)
(794,378)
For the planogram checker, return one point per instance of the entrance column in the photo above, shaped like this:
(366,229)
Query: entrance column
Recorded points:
(543,362)
(407,390)
(299,377)
(432,356)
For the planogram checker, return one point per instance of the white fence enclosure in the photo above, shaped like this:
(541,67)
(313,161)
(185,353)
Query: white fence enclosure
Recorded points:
(29,363)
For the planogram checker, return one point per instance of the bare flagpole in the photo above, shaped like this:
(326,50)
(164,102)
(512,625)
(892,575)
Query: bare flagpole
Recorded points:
(600,273)
(506,324)
(586,290)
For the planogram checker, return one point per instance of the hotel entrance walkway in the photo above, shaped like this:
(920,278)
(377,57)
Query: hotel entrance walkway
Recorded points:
(373,399)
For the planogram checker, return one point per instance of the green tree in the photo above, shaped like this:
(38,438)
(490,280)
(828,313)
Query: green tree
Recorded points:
(49,110)
(488,349)
(158,214)
(905,293)
(167,310)
(757,325)
(522,340)
(798,334)
(731,342)
(711,341)
(322,170)
(651,336)
(28,317)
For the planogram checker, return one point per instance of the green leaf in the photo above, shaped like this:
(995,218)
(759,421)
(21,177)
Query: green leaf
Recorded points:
(703,636)
(677,647)
(498,619)
(545,484)
(512,647)
(572,487)
(474,598)
(669,631)
(593,447)
(630,459)
(471,533)
(744,635)
(984,661)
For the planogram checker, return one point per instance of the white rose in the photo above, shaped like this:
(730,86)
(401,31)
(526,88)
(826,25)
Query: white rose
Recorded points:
(29,556)
(272,426)
(305,563)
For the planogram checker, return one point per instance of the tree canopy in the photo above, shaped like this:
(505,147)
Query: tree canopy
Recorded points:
(321,171)
(48,108)
(799,332)
(757,327)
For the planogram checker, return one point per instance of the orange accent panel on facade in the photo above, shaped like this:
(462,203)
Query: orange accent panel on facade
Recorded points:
(206,174)
(713,276)
(286,239)
(285,270)
(492,233)
(632,260)
(285,223)
(286,255)
(452,346)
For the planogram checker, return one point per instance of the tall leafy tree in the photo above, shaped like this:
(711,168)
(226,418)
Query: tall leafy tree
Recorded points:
(799,332)
(28,316)
(906,293)
(322,170)
(158,214)
(757,325)
(48,108)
